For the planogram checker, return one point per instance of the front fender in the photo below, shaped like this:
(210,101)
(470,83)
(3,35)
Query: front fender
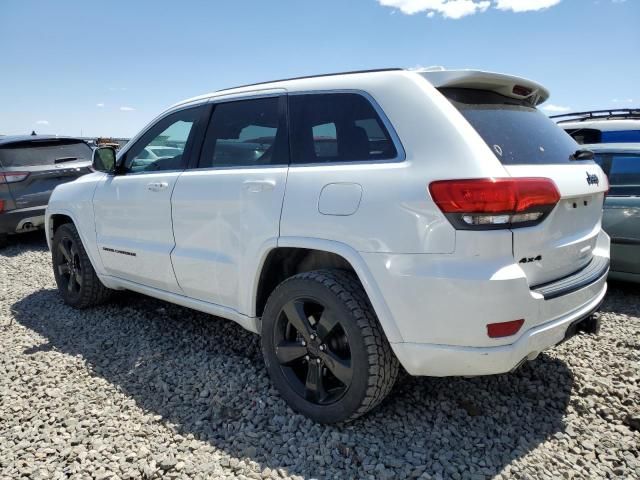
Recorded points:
(75,200)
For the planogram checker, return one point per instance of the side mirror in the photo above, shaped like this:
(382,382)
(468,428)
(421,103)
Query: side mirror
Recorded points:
(104,159)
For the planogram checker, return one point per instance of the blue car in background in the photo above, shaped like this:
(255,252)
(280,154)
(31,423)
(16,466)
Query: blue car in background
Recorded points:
(602,126)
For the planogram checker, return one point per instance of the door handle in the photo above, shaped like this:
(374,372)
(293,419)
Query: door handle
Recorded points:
(256,186)
(157,186)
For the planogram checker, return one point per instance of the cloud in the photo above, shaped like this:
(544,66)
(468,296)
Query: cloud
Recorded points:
(525,5)
(623,100)
(42,122)
(461,8)
(555,108)
(447,8)
(127,109)
(100,105)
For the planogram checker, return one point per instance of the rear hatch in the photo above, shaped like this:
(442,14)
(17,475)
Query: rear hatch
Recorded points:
(529,144)
(33,168)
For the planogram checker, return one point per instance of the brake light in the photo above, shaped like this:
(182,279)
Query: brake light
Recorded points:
(12,177)
(1,206)
(495,202)
(504,329)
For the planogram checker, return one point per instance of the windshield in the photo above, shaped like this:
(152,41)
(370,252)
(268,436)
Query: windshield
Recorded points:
(43,152)
(517,133)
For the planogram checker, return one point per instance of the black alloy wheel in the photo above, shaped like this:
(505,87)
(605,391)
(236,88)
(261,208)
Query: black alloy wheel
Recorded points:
(313,351)
(323,347)
(77,281)
(69,266)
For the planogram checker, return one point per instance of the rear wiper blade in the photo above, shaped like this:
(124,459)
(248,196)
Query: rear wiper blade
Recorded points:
(65,159)
(582,154)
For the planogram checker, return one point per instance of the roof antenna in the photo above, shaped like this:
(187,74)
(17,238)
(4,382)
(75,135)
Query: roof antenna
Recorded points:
(33,133)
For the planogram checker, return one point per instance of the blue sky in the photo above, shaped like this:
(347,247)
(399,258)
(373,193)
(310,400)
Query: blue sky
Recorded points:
(107,68)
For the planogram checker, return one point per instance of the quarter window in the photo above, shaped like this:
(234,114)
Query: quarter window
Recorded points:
(245,133)
(162,146)
(337,127)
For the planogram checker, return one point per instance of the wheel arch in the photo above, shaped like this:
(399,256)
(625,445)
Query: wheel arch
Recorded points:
(55,219)
(297,255)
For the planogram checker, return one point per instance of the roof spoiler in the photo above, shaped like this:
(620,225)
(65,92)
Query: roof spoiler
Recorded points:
(618,114)
(507,85)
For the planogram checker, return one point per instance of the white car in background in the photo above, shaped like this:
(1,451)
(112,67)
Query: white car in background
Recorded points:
(602,126)
(358,222)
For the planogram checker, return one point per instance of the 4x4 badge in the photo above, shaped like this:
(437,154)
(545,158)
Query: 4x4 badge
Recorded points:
(592,179)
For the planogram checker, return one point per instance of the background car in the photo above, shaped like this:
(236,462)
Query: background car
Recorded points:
(30,168)
(621,162)
(602,126)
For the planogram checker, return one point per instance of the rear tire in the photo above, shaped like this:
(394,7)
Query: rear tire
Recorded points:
(77,281)
(3,240)
(324,348)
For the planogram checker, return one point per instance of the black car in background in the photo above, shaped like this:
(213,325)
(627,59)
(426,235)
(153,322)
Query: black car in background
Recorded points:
(30,168)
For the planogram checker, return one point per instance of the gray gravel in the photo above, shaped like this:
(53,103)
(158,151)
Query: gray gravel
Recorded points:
(144,389)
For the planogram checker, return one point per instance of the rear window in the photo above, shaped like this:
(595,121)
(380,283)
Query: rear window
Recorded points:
(516,132)
(585,135)
(43,152)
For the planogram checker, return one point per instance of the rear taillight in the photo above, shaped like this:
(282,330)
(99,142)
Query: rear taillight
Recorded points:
(1,206)
(12,177)
(489,203)
(504,329)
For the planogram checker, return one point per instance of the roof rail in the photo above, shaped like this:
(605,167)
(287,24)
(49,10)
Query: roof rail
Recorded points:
(620,113)
(314,76)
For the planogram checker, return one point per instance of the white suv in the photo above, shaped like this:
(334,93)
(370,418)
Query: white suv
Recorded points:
(358,222)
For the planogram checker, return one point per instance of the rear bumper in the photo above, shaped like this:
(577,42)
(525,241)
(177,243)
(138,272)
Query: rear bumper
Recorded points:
(22,220)
(445,360)
(442,304)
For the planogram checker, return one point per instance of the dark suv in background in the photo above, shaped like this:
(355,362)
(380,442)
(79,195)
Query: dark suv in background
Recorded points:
(30,168)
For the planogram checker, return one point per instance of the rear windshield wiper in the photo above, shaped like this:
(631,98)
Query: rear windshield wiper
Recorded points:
(582,154)
(65,159)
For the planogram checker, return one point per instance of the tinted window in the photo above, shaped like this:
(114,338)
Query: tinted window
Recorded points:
(162,146)
(245,133)
(43,152)
(517,133)
(337,127)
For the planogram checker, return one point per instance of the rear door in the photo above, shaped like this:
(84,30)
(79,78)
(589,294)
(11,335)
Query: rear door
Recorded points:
(226,211)
(39,165)
(622,209)
(529,144)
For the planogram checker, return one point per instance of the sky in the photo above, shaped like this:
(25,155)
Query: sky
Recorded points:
(76,67)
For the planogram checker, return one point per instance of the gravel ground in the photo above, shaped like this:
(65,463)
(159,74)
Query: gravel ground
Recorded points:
(144,389)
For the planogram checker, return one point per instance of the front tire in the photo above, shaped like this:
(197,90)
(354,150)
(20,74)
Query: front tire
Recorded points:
(77,281)
(324,348)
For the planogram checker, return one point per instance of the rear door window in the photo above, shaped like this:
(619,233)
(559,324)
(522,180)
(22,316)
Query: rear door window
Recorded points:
(337,127)
(246,133)
(44,152)
(516,132)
